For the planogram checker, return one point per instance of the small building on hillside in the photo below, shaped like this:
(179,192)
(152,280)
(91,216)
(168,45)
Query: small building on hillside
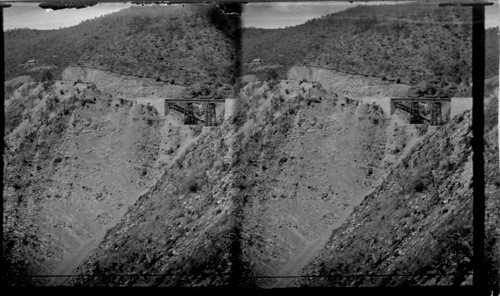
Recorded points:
(257,61)
(31,62)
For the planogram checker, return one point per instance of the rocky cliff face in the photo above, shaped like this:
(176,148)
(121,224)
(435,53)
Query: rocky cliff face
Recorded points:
(309,158)
(125,86)
(250,197)
(257,196)
(75,161)
(300,180)
(182,228)
(350,85)
(418,222)
(76,158)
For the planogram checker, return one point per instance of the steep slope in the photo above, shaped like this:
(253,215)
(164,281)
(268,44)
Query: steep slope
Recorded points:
(180,230)
(251,197)
(257,196)
(416,43)
(71,168)
(310,158)
(418,222)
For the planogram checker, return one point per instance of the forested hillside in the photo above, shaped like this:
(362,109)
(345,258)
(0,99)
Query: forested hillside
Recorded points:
(417,43)
(174,44)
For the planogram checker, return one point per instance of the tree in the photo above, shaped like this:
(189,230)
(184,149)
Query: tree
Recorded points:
(47,76)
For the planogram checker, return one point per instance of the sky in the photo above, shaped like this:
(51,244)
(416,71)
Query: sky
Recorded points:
(259,15)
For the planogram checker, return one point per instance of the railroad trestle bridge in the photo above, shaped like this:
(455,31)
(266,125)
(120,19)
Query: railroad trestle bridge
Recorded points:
(185,106)
(418,115)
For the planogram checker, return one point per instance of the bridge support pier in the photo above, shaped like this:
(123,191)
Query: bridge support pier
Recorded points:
(436,116)
(210,116)
(189,115)
(415,113)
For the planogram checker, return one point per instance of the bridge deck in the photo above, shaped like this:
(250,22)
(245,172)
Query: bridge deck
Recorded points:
(421,100)
(195,101)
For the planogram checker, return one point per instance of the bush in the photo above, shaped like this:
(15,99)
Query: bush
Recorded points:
(420,182)
(47,76)
(419,186)
(194,183)
(192,186)
(272,75)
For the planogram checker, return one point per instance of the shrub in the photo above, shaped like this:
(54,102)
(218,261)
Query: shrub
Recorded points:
(194,182)
(47,76)
(420,182)
(192,186)
(272,75)
(419,186)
